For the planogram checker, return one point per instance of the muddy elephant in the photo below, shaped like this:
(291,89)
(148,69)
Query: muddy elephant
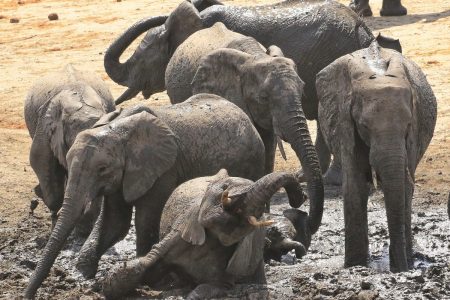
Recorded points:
(57,108)
(378,112)
(389,8)
(264,85)
(288,232)
(312,34)
(209,221)
(136,159)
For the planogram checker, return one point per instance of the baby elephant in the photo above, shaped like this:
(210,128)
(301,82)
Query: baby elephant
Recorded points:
(288,232)
(377,111)
(57,108)
(210,234)
(136,159)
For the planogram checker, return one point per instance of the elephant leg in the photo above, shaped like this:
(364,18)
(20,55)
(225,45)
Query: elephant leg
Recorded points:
(355,192)
(112,225)
(409,191)
(393,8)
(322,150)
(361,7)
(148,212)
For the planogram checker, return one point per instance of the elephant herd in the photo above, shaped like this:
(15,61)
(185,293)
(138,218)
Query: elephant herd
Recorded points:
(199,173)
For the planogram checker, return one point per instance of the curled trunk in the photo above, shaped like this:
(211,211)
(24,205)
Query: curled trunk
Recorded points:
(119,72)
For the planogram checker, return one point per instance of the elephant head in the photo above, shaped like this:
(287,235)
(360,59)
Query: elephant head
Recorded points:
(372,93)
(71,110)
(270,91)
(120,160)
(144,70)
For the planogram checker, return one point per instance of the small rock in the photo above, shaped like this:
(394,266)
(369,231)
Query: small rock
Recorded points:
(365,295)
(58,271)
(2,17)
(365,285)
(421,214)
(119,0)
(40,242)
(53,17)
(319,276)
(21,2)
(14,20)
(28,263)
(417,277)
(4,275)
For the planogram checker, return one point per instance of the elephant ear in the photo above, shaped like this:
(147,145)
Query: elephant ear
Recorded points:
(333,85)
(182,22)
(150,150)
(191,230)
(248,254)
(220,73)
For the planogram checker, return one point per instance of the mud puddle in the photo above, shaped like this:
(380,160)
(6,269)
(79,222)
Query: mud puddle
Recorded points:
(319,275)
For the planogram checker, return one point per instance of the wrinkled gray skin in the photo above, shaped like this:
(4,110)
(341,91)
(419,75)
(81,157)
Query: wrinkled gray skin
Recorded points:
(312,34)
(378,112)
(57,108)
(389,8)
(207,219)
(137,158)
(289,232)
(265,86)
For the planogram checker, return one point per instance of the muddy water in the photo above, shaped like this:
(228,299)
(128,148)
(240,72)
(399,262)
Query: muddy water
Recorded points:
(319,275)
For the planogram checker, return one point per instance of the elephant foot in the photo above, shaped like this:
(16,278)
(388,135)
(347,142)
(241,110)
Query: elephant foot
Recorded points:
(87,266)
(393,8)
(123,281)
(333,176)
(356,261)
(362,8)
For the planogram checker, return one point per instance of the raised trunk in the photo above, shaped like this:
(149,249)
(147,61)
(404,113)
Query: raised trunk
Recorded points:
(294,130)
(119,71)
(261,191)
(390,165)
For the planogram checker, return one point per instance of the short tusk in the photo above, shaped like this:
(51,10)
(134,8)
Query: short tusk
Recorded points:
(280,146)
(225,200)
(253,221)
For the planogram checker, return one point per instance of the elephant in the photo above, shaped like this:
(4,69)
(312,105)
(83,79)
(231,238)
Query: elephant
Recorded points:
(389,8)
(378,112)
(264,85)
(312,34)
(57,108)
(136,158)
(289,232)
(213,221)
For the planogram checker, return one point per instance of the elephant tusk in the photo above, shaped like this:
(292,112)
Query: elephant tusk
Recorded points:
(253,221)
(225,200)
(280,146)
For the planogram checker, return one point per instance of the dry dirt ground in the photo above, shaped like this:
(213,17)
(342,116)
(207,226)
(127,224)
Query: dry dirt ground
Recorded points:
(36,46)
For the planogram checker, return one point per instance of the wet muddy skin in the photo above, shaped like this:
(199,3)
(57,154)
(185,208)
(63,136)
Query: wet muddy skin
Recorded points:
(319,275)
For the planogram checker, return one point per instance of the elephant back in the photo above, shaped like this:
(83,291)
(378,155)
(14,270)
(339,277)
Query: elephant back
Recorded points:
(213,133)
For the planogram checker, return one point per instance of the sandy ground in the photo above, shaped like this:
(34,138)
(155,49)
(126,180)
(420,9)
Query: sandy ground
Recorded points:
(36,46)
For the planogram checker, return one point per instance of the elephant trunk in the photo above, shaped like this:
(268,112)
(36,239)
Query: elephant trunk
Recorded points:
(118,71)
(291,124)
(71,212)
(263,189)
(390,165)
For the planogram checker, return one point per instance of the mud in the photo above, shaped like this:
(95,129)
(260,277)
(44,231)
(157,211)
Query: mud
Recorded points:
(318,275)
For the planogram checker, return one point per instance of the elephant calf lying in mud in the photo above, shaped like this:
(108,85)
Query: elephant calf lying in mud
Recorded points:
(211,235)
(378,111)
(137,158)
(57,108)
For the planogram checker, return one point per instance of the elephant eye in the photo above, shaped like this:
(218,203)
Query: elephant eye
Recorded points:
(102,169)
